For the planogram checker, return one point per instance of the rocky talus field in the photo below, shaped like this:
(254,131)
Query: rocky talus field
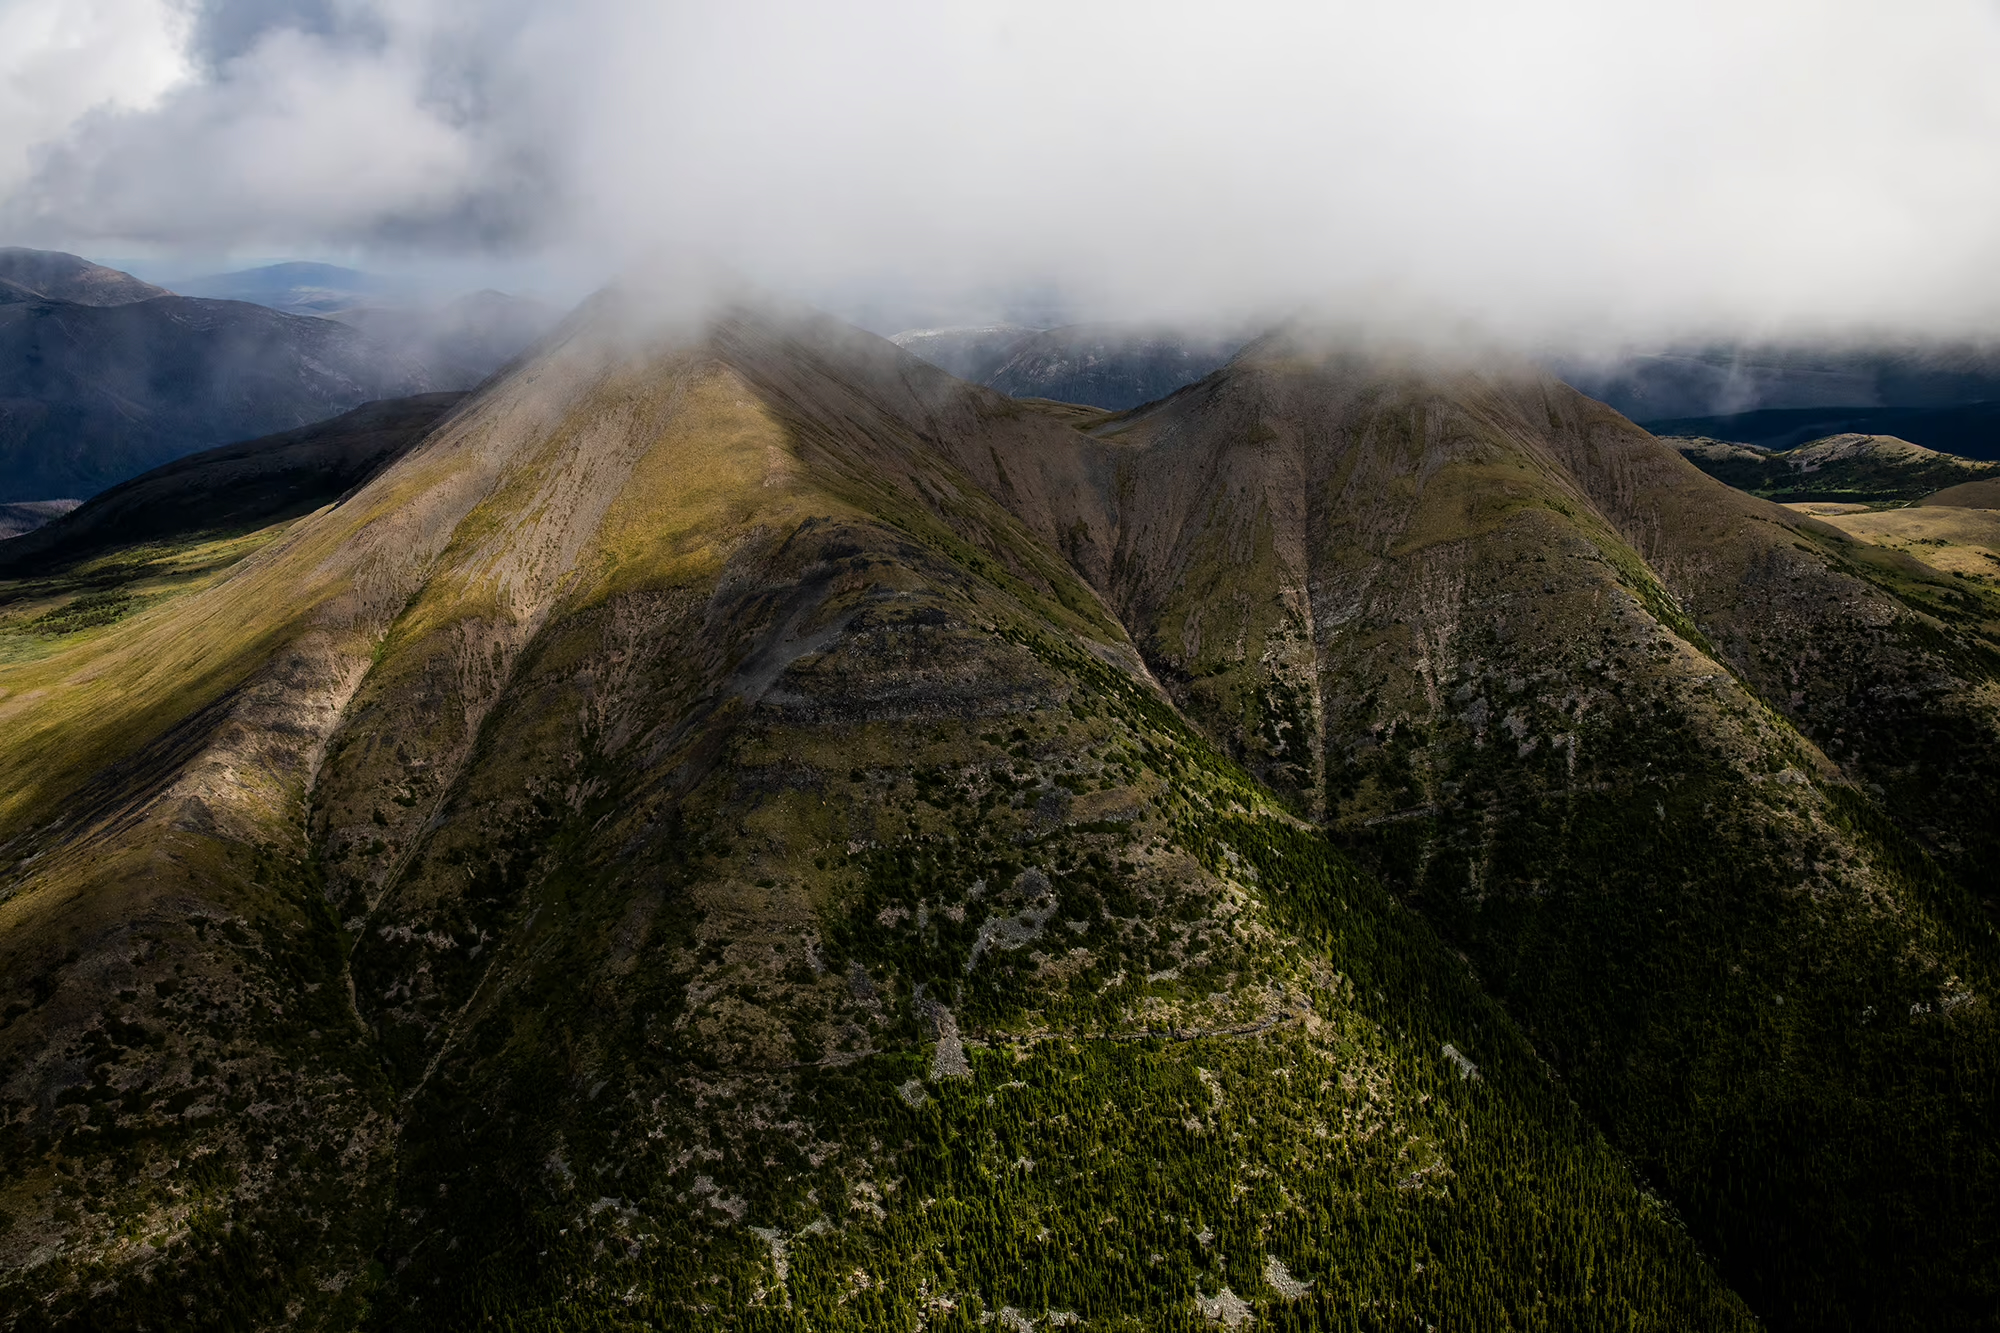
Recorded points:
(737,828)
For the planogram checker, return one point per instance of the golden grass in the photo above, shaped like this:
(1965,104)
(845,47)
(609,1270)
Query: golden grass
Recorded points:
(1955,541)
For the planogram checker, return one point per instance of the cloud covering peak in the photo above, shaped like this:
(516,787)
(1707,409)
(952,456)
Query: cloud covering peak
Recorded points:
(1544,166)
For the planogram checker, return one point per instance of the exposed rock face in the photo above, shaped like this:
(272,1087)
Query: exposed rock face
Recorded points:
(739,822)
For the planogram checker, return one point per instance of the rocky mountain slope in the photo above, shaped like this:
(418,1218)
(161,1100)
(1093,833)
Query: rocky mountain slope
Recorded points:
(1525,658)
(738,825)
(1850,468)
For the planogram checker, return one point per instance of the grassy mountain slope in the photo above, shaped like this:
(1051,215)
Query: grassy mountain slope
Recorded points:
(1853,468)
(1525,659)
(676,846)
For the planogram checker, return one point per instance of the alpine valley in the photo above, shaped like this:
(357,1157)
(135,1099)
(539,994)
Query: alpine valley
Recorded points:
(730,826)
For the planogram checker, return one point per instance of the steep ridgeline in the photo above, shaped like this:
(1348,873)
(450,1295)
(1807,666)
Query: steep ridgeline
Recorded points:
(673,850)
(1661,758)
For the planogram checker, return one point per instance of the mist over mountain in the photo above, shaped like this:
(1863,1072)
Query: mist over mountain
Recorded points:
(1113,366)
(297,288)
(972,352)
(94,391)
(90,395)
(1226,777)
(465,339)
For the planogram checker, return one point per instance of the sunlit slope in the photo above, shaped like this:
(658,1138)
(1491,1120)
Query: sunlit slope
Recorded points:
(676,847)
(1525,659)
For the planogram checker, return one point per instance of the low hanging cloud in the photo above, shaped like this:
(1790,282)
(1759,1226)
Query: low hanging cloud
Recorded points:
(1548,166)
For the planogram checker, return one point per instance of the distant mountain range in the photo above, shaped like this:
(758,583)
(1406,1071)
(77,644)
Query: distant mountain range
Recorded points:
(1115,366)
(103,376)
(299,288)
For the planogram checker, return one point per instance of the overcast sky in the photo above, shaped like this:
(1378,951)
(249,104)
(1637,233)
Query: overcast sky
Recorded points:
(1538,166)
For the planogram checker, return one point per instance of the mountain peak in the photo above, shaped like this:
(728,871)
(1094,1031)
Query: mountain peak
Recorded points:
(65,277)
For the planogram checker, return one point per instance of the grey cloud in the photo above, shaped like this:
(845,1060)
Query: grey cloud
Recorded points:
(222,30)
(1549,168)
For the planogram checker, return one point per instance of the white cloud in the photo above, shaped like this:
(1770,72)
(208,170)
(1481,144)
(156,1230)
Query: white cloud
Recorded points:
(1552,163)
(62,58)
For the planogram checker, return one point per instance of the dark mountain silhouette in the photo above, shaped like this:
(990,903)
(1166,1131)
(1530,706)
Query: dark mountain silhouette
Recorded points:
(234,488)
(1739,379)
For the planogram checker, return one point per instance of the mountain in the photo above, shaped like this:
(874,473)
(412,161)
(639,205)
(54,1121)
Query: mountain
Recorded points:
(971,352)
(92,395)
(1108,365)
(1645,749)
(739,826)
(28,515)
(297,288)
(1968,431)
(28,275)
(1859,468)
(463,340)
(238,487)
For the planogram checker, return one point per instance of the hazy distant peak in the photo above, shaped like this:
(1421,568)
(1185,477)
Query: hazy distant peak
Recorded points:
(63,277)
(971,351)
